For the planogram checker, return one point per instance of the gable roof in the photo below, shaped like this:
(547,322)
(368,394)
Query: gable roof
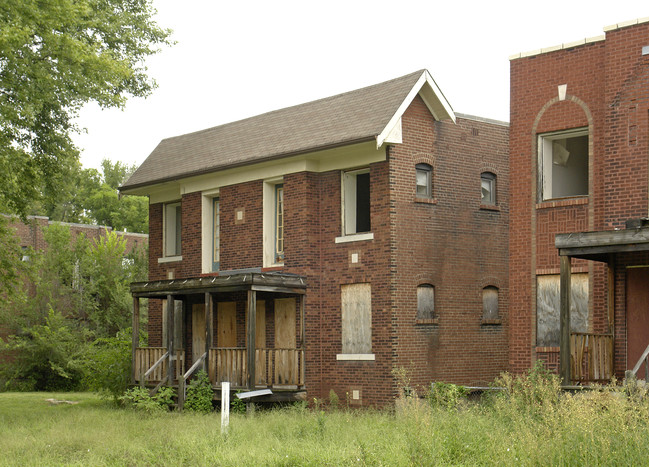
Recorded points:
(356,116)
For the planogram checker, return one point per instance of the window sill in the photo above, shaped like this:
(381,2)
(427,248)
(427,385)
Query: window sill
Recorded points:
(487,322)
(427,321)
(355,357)
(562,202)
(419,199)
(169,259)
(490,207)
(272,267)
(355,237)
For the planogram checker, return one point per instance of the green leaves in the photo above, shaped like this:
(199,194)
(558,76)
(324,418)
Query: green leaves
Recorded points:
(55,56)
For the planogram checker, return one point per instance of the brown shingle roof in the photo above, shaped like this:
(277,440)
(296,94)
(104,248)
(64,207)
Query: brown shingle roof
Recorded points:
(342,119)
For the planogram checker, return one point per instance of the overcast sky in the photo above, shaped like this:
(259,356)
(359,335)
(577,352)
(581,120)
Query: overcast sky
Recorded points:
(237,59)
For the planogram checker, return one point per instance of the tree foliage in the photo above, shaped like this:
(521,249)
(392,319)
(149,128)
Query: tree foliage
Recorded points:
(56,56)
(71,315)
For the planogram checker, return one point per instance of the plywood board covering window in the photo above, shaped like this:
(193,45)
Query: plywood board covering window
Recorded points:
(226,324)
(356,309)
(548,303)
(285,323)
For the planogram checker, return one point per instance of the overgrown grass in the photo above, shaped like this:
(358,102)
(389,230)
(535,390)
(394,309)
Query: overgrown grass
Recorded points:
(524,425)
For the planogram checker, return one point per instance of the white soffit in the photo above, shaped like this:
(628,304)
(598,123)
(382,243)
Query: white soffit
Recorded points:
(433,98)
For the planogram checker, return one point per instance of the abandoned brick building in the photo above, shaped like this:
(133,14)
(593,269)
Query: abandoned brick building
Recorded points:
(579,149)
(322,246)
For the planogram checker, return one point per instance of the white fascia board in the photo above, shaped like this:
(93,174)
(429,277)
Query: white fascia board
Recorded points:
(433,98)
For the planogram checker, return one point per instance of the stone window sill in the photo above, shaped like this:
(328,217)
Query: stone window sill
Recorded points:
(355,357)
(170,259)
(491,322)
(421,200)
(427,321)
(490,207)
(355,237)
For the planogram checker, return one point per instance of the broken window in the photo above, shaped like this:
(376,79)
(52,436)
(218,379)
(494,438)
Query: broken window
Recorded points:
(356,310)
(172,229)
(424,188)
(356,201)
(488,187)
(548,305)
(425,301)
(563,158)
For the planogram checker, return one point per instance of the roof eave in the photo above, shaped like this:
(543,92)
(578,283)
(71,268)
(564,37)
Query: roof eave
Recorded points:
(432,96)
(135,189)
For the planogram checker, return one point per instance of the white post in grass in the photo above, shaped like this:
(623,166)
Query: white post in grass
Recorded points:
(225,406)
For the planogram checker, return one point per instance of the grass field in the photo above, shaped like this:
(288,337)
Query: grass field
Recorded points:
(533,428)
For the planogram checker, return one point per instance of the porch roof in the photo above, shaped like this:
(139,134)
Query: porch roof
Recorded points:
(599,245)
(261,282)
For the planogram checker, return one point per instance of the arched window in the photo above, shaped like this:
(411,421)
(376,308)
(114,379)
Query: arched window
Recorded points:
(490,303)
(424,187)
(426,302)
(488,184)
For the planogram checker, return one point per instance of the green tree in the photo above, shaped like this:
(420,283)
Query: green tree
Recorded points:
(56,56)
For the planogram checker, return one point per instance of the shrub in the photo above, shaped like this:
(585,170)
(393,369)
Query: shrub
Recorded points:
(237,405)
(446,395)
(108,366)
(139,398)
(199,394)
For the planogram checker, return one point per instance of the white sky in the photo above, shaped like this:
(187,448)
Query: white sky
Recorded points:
(237,59)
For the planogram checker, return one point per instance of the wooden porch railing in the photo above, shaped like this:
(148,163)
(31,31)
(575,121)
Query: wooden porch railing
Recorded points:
(145,358)
(274,367)
(591,357)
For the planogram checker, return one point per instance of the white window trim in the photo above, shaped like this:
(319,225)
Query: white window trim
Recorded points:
(166,230)
(545,154)
(269,221)
(348,200)
(355,357)
(207,212)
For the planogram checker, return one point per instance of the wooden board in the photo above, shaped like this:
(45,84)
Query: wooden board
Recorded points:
(226,324)
(637,316)
(198,330)
(356,311)
(285,323)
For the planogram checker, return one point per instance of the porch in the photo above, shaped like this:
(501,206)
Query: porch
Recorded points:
(246,328)
(585,358)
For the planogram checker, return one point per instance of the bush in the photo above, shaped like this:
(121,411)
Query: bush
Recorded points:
(446,395)
(199,394)
(108,365)
(139,399)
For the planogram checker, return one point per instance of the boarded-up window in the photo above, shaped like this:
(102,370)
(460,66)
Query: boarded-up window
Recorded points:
(548,305)
(356,307)
(490,303)
(425,301)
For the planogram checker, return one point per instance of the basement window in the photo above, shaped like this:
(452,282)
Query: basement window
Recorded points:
(563,160)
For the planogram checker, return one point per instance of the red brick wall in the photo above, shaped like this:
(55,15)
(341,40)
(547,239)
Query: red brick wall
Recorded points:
(608,91)
(453,244)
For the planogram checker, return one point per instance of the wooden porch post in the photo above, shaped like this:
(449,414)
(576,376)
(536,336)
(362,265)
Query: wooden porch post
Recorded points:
(564,321)
(302,325)
(135,338)
(252,321)
(209,316)
(170,338)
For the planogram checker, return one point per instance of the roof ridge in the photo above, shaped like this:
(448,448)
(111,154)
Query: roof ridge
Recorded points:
(303,104)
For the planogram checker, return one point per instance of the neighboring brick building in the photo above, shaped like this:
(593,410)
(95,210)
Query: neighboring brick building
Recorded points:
(579,145)
(30,233)
(347,237)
